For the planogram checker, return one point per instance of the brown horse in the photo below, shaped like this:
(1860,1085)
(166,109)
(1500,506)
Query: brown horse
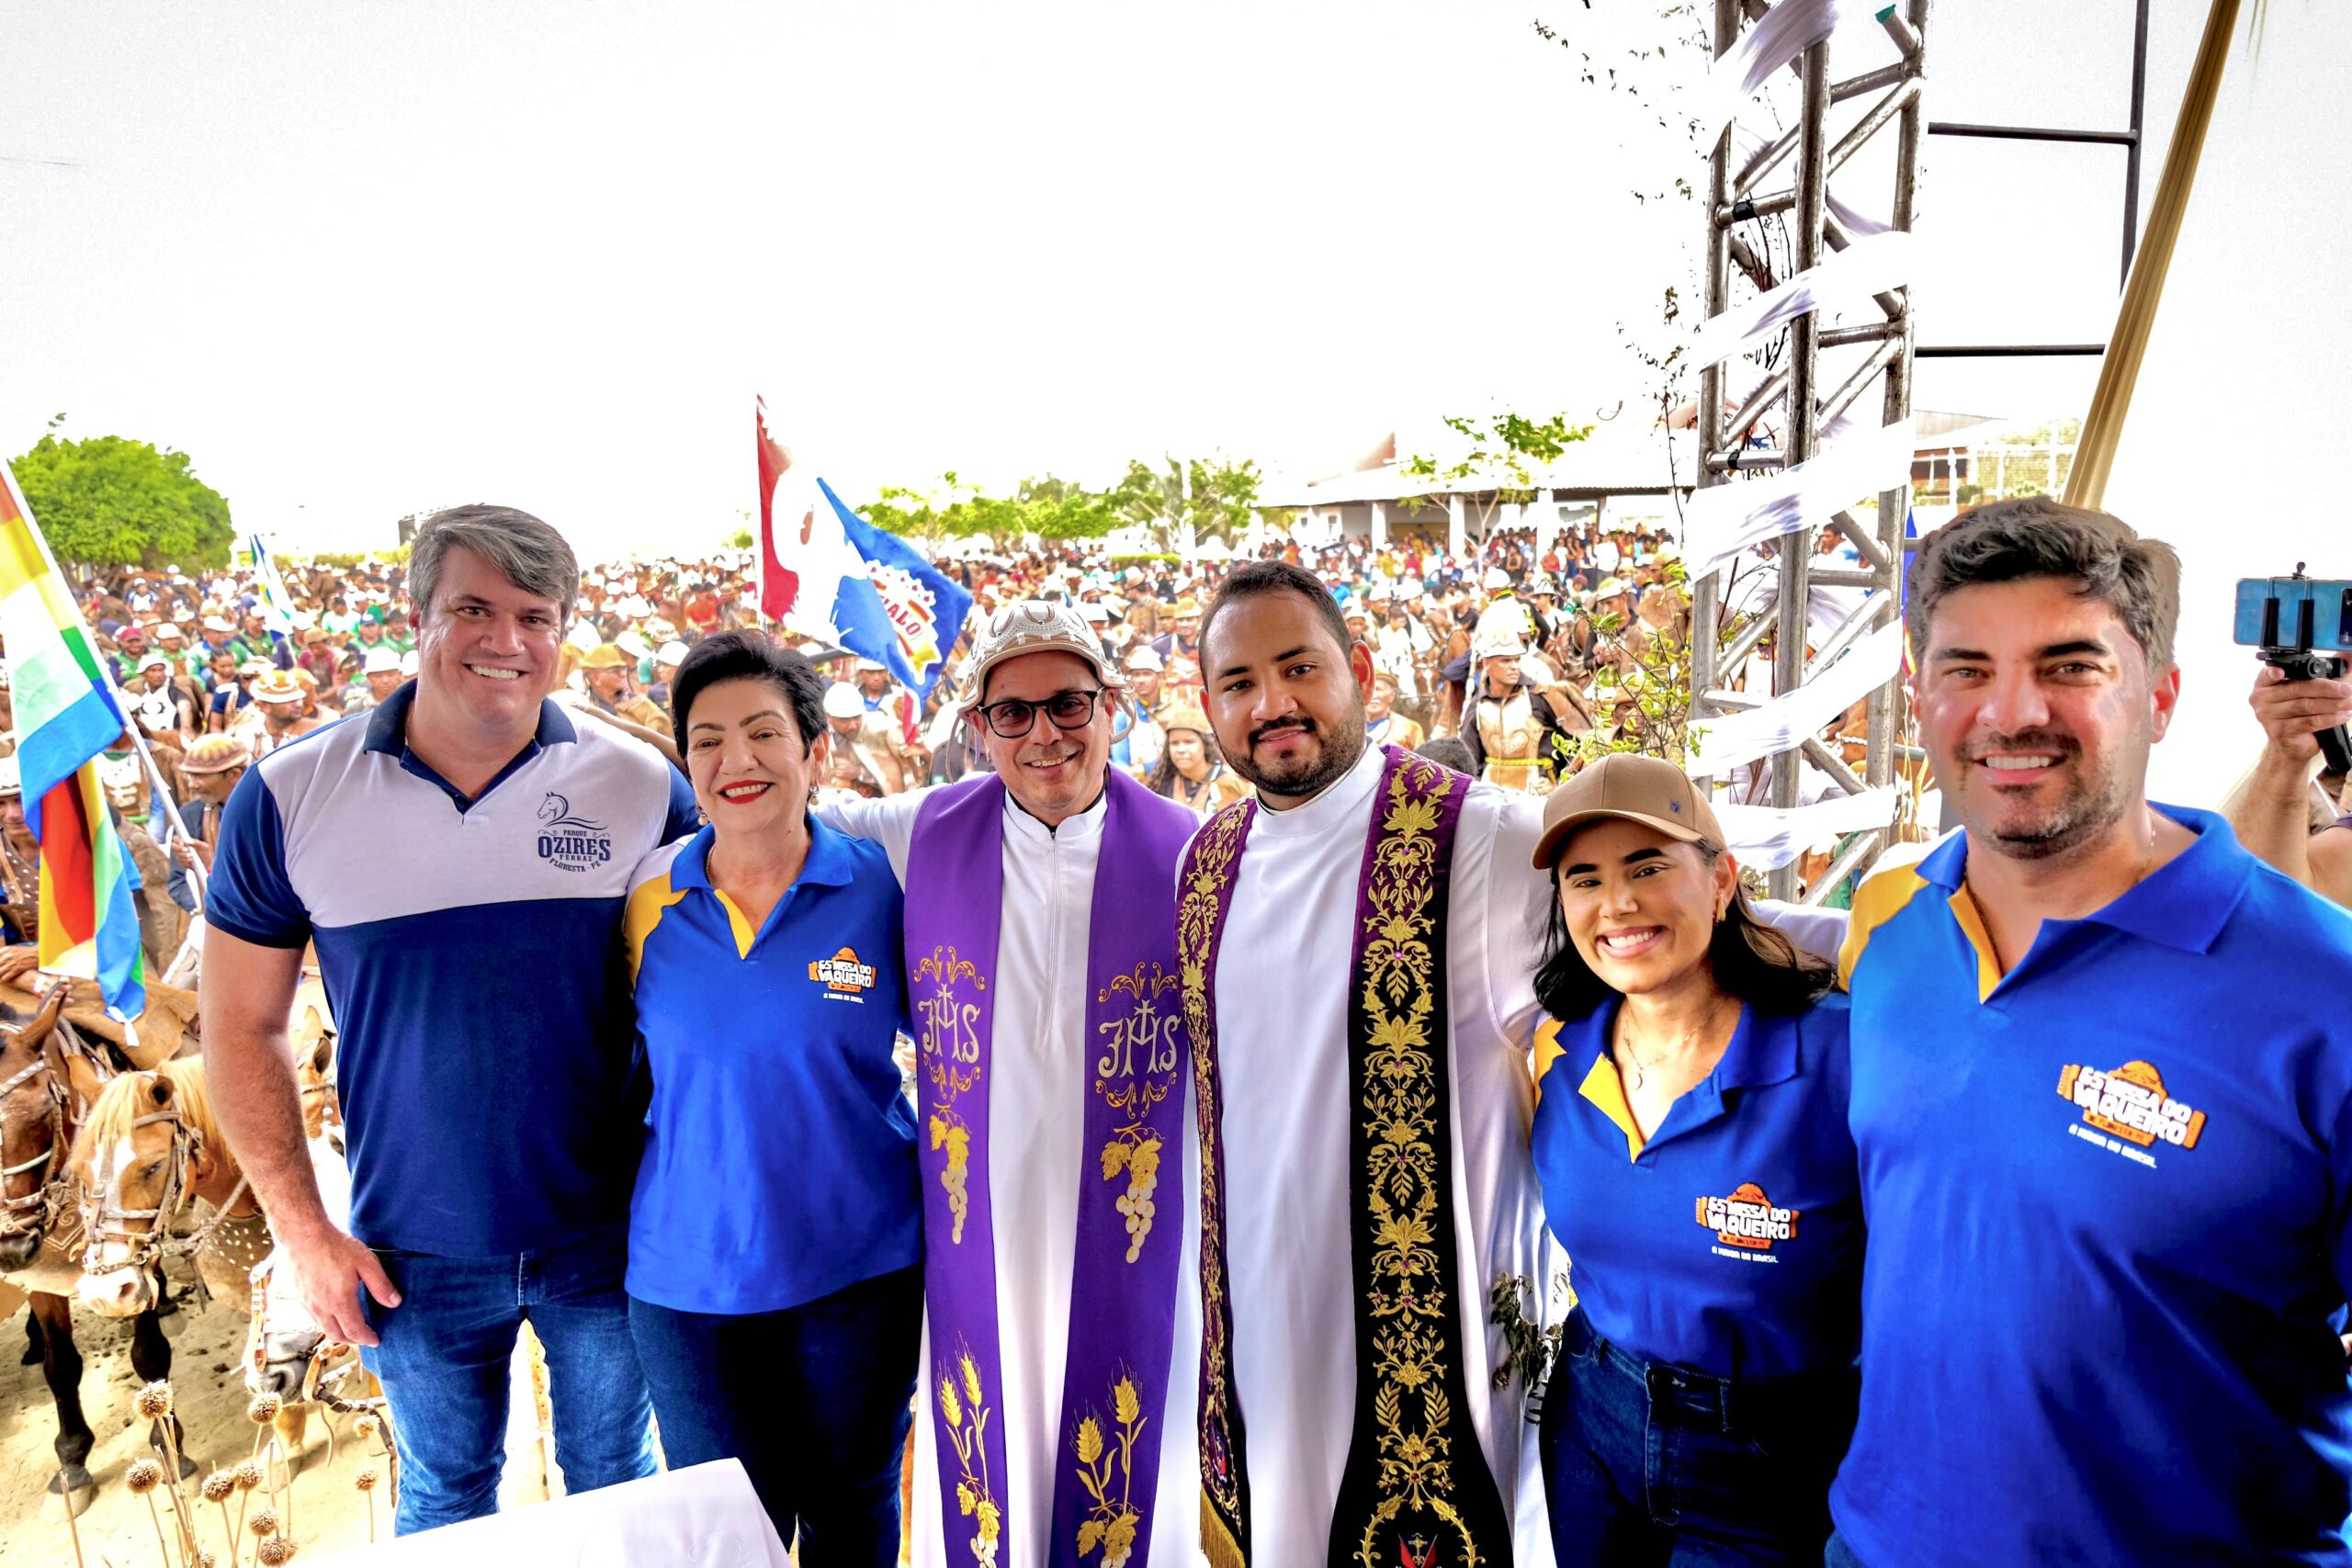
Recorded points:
(50,1075)
(148,1149)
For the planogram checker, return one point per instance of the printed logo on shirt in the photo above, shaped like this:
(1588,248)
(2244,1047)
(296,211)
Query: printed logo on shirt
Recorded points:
(844,976)
(1747,1222)
(569,842)
(2131,1103)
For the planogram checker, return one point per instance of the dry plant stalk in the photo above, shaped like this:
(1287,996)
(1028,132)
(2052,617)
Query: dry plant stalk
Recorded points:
(153,1403)
(217,1488)
(143,1478)
(72,1530)
(248,1476)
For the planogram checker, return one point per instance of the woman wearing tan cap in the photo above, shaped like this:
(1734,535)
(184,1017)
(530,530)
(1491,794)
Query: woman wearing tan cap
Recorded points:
(1190,772)
(1691,1138)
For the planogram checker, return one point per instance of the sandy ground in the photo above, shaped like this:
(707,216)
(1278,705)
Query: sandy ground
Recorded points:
(208,1385)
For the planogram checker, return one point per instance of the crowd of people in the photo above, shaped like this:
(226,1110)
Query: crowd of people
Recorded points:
(1512,652)
(1292,1002)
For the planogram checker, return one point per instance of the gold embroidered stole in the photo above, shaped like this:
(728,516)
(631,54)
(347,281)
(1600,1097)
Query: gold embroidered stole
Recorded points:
(1416,1490)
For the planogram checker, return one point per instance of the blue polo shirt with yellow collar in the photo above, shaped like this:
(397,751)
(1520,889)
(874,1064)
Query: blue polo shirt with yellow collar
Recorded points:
(1729,1241)
(2109,1194)
(780,1150)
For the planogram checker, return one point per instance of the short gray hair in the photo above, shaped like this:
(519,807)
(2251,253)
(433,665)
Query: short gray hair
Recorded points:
(526,552)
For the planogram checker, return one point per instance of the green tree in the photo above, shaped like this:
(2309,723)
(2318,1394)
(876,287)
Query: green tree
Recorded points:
(111,502)
(1500,458)
(1215,497)
(1043,505)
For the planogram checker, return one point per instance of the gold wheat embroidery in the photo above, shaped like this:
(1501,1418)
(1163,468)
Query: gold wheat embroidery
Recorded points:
(1113,1521)
(974,1498)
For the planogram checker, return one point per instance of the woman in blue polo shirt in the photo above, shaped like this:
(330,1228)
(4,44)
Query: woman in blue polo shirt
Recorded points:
(776,1238)
(1691,1138)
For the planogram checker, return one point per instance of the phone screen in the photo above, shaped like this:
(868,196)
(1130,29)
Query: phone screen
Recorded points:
(2331,613)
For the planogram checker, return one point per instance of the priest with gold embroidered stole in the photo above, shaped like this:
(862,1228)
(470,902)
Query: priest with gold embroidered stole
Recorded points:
(1053,1083)
(1358,943)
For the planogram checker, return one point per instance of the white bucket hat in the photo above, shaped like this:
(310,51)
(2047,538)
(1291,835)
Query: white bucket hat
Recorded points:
(1035,625)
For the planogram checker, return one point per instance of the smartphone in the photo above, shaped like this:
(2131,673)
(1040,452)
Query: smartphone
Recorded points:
(2294,611)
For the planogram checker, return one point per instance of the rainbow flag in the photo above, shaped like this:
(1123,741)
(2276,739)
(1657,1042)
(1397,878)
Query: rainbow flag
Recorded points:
(65,715)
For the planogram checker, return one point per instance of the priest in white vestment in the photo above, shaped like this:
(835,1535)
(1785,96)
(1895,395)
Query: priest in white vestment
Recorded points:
(1043,1058)
(1285,691)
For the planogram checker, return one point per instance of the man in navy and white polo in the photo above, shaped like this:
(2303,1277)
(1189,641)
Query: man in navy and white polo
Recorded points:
(2102,1103)
(460,856)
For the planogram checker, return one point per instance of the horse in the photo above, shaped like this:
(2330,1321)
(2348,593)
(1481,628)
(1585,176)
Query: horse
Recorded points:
(50,1075)
(149,1147)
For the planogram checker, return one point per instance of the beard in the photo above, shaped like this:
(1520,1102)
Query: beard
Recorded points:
(2092,802)
(1312,769)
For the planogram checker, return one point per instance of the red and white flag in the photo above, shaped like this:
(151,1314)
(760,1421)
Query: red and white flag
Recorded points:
(804,552)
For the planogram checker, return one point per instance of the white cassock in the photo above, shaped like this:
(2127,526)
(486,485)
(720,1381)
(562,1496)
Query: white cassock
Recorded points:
(1038,1084)
(1282,1028)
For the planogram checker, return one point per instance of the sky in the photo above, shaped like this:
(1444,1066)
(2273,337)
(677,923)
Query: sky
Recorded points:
(363,260)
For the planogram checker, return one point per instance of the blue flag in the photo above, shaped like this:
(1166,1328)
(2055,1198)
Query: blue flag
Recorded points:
(904,612)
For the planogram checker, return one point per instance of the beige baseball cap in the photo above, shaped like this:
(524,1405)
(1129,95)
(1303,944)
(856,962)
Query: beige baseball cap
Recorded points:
(1648,790)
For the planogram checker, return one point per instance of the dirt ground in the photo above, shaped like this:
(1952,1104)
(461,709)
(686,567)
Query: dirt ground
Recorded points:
(208,1386)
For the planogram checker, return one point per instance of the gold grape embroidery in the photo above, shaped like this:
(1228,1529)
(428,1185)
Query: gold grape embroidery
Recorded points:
(951,1058)
(1136,1072)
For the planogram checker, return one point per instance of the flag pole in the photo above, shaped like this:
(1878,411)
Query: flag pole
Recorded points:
(106,679)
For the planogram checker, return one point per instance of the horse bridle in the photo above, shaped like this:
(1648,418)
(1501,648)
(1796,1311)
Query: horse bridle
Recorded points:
(102,1214)
(33,1212)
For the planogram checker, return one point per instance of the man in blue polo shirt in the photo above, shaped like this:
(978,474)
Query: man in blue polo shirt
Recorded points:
(2102,1100)
(460,856)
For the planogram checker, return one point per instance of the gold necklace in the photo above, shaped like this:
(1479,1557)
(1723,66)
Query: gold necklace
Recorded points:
(1641,1068)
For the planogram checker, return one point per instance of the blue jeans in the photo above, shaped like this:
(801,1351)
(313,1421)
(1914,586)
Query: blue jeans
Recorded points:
(1652,1464)
(815,1400)
(444,1360)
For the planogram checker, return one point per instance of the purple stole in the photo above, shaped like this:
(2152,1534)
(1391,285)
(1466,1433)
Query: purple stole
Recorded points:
(1122,1312)
(1416,1489)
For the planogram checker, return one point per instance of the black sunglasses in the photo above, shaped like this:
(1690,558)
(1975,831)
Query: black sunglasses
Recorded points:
(1013,719)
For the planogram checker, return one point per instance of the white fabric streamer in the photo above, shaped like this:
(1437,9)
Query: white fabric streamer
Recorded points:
(1781,724)
(1787,30)
(1768,839)
(1866,267)
(1861,226)
(1723,520)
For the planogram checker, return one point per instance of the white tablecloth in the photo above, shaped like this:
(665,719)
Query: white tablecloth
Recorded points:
(705,1516)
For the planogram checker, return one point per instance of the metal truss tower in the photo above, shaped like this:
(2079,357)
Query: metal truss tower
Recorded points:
(1820,372)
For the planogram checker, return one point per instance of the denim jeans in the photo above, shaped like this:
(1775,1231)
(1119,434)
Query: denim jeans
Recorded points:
(815,1400)
(444,1356)
(1652,1464)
